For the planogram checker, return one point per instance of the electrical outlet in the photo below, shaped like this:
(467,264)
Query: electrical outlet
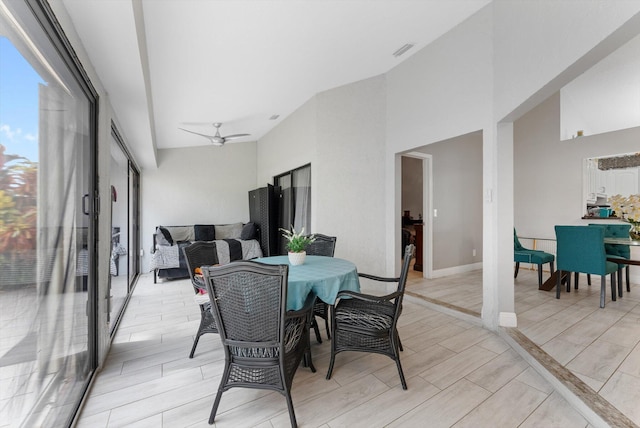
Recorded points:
(473,252)
(435,212)
(141,252)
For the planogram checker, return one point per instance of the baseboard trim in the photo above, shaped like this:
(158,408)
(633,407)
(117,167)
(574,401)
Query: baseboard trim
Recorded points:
(455,270)
(507,319)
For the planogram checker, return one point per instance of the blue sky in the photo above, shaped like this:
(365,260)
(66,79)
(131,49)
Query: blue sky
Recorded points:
(18,103)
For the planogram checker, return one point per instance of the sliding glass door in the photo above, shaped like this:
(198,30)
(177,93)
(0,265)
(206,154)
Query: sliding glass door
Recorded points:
(293,193)
(124,262)
(47,221)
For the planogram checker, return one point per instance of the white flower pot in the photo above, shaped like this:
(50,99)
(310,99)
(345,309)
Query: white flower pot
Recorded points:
(297,258)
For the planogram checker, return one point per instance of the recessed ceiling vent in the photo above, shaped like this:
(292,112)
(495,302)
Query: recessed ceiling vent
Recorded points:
(274,117)
(403,49)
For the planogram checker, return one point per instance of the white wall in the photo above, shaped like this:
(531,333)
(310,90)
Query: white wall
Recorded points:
(349,171)
(341,133)
(457,195)
(289,145)
(197,185)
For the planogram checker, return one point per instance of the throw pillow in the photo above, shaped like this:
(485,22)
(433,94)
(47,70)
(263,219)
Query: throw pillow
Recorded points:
(204,232)
(163,237)
(248,231)
(228,231)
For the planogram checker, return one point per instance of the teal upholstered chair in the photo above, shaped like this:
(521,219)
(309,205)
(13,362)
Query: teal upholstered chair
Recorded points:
(617,251)
(536,257)
(580,249)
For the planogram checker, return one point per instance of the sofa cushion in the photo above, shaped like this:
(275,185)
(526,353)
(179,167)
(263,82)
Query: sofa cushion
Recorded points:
(181,233)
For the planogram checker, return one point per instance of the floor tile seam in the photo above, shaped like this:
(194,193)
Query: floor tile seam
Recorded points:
(584,346)
(630,348)
(447,361)
(96,395)
(617,370)
(209,395)
(488,390)
(625,373)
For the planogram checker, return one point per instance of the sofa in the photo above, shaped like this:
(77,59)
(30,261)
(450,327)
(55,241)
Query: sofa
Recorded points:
(236,241)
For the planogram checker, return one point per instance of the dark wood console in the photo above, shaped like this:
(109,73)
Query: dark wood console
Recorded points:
(418,264)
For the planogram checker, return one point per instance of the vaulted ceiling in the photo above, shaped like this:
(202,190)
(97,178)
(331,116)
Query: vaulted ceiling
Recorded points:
(189,63)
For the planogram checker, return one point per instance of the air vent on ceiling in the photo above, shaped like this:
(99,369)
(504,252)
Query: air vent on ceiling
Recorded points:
(274,117)
(403,49)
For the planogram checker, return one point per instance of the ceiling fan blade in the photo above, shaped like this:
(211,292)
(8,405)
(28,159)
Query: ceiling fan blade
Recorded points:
(235,136)
(197,133)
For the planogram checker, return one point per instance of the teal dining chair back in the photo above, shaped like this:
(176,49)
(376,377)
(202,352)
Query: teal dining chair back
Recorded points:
(525,255)
(617,251)
(580,249)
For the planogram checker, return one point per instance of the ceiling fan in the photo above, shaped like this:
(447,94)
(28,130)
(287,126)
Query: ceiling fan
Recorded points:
(217,139)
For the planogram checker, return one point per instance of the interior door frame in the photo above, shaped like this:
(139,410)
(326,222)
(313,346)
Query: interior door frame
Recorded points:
(427,204)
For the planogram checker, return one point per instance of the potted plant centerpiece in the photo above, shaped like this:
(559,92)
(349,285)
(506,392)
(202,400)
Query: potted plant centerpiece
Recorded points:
(297,245)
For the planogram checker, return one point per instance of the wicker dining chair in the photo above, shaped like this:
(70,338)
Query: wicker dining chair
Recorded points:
(196,255)
(368,323)
(322,246)
(263,342)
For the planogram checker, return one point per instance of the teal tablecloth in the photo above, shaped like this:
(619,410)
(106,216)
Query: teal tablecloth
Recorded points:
(322,276)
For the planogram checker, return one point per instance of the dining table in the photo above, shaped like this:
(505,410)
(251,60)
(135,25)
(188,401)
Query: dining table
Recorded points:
(321,276)
(623,241)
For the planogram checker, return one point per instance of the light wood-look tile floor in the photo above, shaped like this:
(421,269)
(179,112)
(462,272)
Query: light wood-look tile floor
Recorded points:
(458,374)
(599,346)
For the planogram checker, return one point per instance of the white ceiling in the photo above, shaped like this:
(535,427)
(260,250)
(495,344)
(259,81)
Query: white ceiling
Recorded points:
(189,63)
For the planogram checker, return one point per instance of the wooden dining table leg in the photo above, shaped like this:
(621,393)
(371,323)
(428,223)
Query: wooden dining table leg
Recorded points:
(627,275)
(620,282)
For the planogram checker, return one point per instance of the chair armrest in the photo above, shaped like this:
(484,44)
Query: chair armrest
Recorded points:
(368,297)
(378,278)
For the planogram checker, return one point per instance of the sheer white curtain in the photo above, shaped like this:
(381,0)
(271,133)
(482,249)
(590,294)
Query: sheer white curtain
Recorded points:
(302,199)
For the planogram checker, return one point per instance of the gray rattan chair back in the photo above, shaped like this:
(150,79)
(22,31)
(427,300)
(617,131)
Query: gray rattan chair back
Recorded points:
(200,254)
(323,246)
(263,343)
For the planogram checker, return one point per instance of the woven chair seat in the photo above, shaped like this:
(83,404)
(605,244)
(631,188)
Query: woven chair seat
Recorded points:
(367,315)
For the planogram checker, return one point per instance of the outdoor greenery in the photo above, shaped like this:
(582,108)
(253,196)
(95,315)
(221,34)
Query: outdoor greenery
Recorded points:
(18,213)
